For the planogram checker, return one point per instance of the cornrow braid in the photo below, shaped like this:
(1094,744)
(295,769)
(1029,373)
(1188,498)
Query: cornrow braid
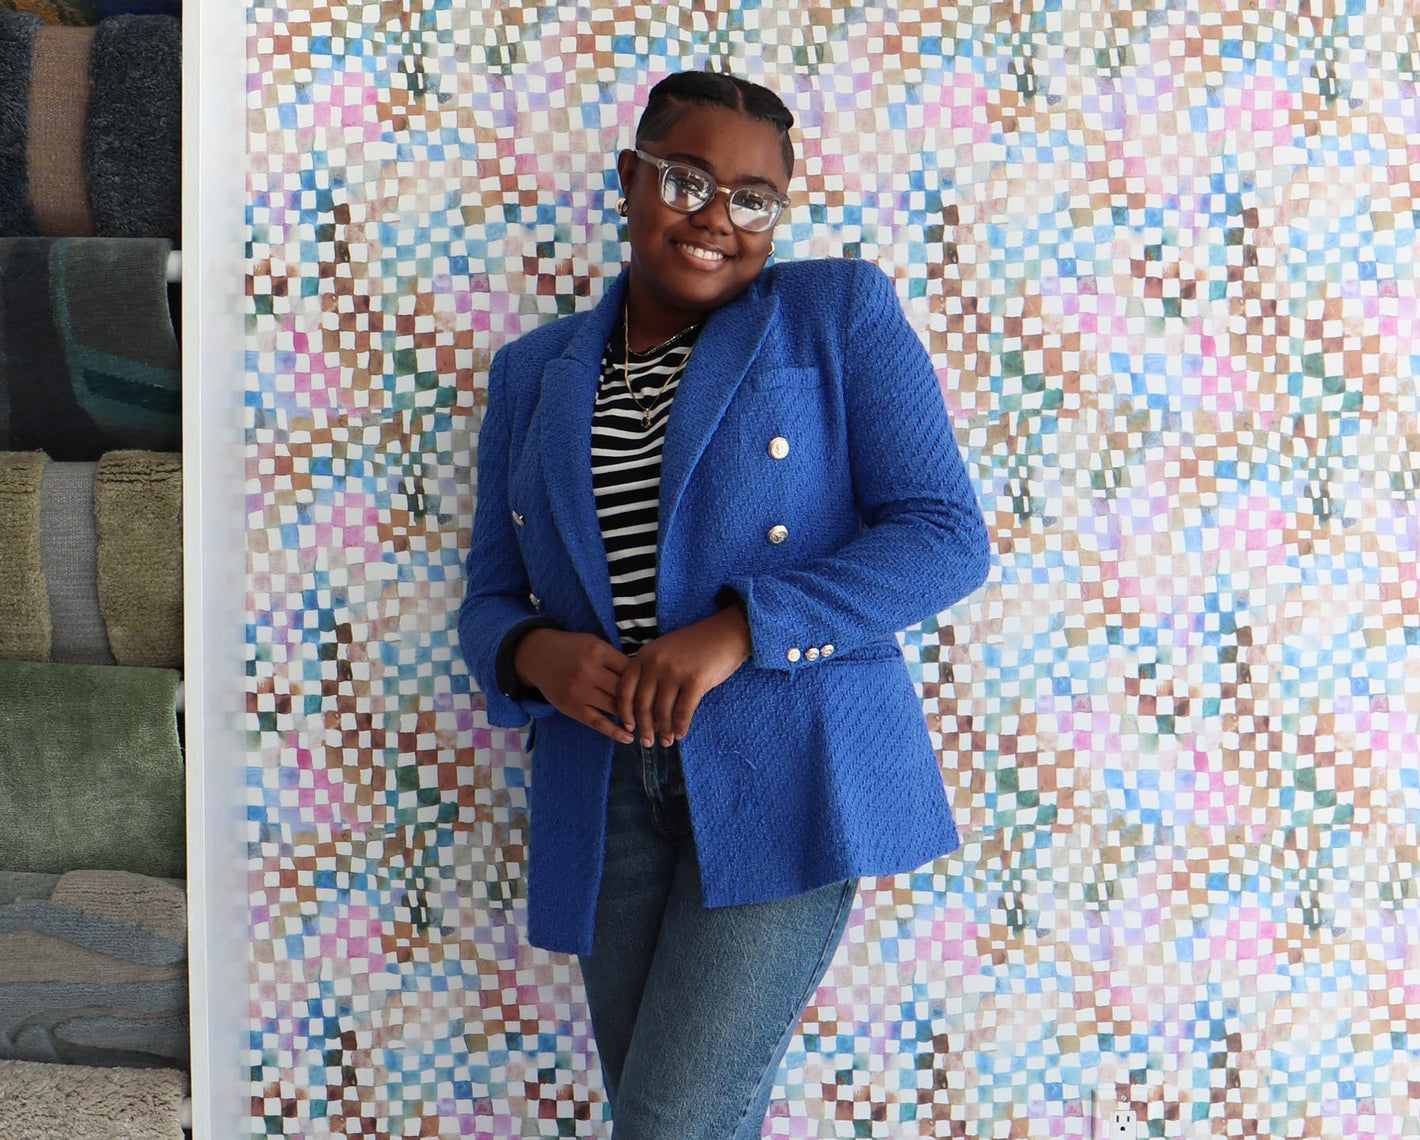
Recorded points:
(673,95)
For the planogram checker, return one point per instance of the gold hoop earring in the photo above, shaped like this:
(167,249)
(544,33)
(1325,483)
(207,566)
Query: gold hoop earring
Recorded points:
(771,249)
(623,207)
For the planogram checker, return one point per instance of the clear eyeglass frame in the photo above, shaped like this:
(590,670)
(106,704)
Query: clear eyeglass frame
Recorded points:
(745,213)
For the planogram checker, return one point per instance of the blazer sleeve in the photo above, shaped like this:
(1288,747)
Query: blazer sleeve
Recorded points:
(922,545)
(496,593)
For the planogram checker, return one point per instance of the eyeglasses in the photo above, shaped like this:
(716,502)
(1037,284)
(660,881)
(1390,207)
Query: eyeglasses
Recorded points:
(688,188)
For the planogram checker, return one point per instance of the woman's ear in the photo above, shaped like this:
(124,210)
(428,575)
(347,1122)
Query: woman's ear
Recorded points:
(625,166)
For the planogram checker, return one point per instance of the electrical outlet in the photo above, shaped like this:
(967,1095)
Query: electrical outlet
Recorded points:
(1121,1125)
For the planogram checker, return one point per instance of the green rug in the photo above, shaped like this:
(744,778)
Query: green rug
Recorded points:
(91,774)
(138,511)
(24,602)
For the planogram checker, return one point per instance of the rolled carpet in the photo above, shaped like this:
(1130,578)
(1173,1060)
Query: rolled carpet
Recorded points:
(91,774)
(78,1102)
(91,11)
(90,123)
(89,359)
(93,969)
(91,559)
(133,144)
(24,603)
(138,508)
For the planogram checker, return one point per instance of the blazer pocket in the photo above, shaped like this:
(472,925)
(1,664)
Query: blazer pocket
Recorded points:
(767,379)
(785,413)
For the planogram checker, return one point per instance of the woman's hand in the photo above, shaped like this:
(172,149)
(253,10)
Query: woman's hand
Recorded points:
(663,684)
(577,673)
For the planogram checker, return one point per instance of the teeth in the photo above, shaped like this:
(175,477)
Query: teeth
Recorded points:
(703,254)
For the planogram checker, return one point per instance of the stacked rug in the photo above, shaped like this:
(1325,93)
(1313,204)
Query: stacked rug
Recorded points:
(90,126)
(93,963)
(91,11)
(91,559)
(89,359)
(74,1102)
(91,771)
(93,969)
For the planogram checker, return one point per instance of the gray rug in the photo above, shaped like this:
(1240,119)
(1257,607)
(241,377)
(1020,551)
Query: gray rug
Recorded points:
(93,969)
(133,143)
(69,551)
(89,358)
(70,1102)
(17,29)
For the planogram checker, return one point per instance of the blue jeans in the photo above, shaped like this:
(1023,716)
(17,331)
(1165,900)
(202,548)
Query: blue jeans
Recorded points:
(692,1009)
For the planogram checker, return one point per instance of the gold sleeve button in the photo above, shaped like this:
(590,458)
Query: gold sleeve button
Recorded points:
(793,653)
(778,447)
(777,533)
(811,653)
(827,650)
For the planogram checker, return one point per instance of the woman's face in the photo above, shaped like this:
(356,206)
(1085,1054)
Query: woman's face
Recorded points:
(687,265)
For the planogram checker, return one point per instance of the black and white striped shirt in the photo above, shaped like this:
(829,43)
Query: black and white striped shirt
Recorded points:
(626,474)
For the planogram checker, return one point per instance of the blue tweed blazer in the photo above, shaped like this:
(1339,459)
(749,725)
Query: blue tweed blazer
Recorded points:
(812,762)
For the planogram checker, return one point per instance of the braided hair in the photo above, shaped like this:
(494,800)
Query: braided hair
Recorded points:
(673,95)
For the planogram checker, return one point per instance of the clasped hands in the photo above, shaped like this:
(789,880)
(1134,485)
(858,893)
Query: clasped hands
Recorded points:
(650,695)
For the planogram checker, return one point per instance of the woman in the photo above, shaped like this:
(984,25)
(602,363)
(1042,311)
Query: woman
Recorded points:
(705,509)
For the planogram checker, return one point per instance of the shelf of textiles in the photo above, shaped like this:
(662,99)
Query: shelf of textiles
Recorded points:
(93,900)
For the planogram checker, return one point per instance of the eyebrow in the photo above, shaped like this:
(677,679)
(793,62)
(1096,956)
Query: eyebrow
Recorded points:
(742,180)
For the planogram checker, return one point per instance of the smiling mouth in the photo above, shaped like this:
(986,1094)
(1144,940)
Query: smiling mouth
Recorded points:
(709,256)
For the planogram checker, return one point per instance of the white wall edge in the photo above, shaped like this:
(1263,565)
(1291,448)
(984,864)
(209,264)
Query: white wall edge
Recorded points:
(212,323)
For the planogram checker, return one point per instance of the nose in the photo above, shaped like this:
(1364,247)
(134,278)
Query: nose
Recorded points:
(715,214)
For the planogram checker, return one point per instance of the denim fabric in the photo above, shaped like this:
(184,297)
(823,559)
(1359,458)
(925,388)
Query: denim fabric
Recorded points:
(692,1008)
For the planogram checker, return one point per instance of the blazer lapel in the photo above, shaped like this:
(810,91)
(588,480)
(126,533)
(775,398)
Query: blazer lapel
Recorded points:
(569,392)
(727,344)
(717,365)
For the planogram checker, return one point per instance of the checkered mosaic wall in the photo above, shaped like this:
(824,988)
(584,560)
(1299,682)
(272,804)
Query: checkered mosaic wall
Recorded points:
(1164,255)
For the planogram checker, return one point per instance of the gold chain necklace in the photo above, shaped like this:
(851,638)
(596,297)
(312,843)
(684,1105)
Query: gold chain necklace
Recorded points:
(646,411)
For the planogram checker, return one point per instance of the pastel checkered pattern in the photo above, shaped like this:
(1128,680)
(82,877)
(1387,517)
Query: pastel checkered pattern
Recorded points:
(1164,256)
